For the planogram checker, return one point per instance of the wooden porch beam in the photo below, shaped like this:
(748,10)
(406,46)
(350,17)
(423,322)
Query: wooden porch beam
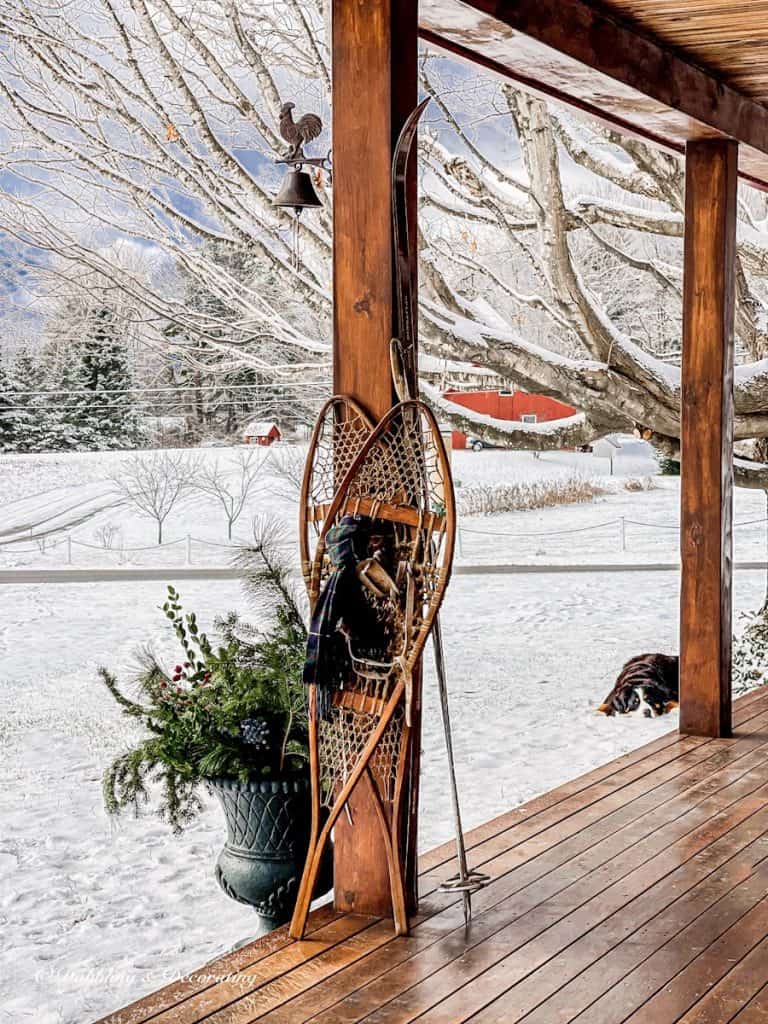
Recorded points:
(374,89)
(707,437)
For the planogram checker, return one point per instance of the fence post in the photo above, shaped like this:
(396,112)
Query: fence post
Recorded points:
(189,550)
(69,549)
(458,540)
(623,534)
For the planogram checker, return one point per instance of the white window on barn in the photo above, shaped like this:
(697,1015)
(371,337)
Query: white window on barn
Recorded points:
(529,417)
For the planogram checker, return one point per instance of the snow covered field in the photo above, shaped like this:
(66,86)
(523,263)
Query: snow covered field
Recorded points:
(94,913)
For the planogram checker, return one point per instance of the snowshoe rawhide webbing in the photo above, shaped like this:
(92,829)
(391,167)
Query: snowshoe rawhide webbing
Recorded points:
(341,430)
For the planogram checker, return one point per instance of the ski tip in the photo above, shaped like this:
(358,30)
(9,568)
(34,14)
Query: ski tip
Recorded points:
(410,124)
(419,108)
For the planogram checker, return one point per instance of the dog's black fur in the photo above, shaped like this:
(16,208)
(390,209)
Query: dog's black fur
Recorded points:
(652,680)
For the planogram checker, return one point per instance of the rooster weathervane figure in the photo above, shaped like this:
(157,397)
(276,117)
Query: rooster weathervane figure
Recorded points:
(297,133)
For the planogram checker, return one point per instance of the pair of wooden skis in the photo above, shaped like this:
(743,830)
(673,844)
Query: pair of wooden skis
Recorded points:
(396,477)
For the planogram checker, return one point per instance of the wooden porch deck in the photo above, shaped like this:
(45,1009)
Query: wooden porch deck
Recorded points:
(638,892)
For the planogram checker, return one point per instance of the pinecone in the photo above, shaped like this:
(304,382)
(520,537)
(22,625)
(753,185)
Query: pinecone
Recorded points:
(255,733)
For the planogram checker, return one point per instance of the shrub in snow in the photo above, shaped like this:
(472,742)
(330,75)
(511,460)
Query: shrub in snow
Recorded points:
(490,499)
(640,483)
(667,466)
(107,535)
(750,653)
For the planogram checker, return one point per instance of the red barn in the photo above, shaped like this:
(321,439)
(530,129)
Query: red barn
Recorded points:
(507,405)
(263,432)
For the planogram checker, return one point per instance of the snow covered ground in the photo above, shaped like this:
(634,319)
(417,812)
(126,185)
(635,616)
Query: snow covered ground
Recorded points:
(48,498)
(94,913)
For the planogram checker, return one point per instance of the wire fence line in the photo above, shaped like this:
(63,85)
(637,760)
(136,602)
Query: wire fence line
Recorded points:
(69,541)
(543,533)
(620,520)
(106,547)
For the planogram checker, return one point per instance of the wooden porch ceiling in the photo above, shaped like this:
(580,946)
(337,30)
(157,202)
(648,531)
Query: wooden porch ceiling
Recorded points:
(666,70)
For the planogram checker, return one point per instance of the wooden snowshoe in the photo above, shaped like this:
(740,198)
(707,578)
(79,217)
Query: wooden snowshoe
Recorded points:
(400,485)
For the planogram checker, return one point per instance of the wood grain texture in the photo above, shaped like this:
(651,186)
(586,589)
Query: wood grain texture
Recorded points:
(374,90)
(699,71)
(732,39)
(374,50)
(706,438)
(635,893)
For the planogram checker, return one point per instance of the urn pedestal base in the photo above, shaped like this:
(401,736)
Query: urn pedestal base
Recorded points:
(268,824)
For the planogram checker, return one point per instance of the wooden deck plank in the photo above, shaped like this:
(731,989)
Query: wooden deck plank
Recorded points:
(574,884)
(597,803)
(650,919)
(213,972)
(734,991)
(737,944)
(647,875)
(311,973)
(243,984)
(742,907)
(377,994)
(756,1010)
(538,887)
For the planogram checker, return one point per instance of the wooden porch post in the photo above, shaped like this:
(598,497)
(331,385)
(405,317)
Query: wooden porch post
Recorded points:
(374,89)
(706,437)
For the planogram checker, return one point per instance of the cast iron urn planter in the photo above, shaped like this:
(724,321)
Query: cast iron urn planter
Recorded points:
(268,826)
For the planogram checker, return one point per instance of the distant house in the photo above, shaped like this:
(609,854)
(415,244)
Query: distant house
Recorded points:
(264,432)
(507,405)
(607,448)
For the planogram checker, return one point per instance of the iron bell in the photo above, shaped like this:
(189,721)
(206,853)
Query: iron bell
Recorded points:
(297,191)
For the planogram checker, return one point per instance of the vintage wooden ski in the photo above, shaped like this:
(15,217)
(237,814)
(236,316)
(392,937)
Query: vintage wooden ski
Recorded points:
(405,379)
(404,261)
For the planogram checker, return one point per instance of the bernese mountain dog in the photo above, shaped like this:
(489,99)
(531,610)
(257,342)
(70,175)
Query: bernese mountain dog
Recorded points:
(649,683)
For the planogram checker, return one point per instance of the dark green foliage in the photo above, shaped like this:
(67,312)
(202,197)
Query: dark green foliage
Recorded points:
(81,401)
(8,426)
(667,466)
(103,417)
(204,716)
(22,414)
